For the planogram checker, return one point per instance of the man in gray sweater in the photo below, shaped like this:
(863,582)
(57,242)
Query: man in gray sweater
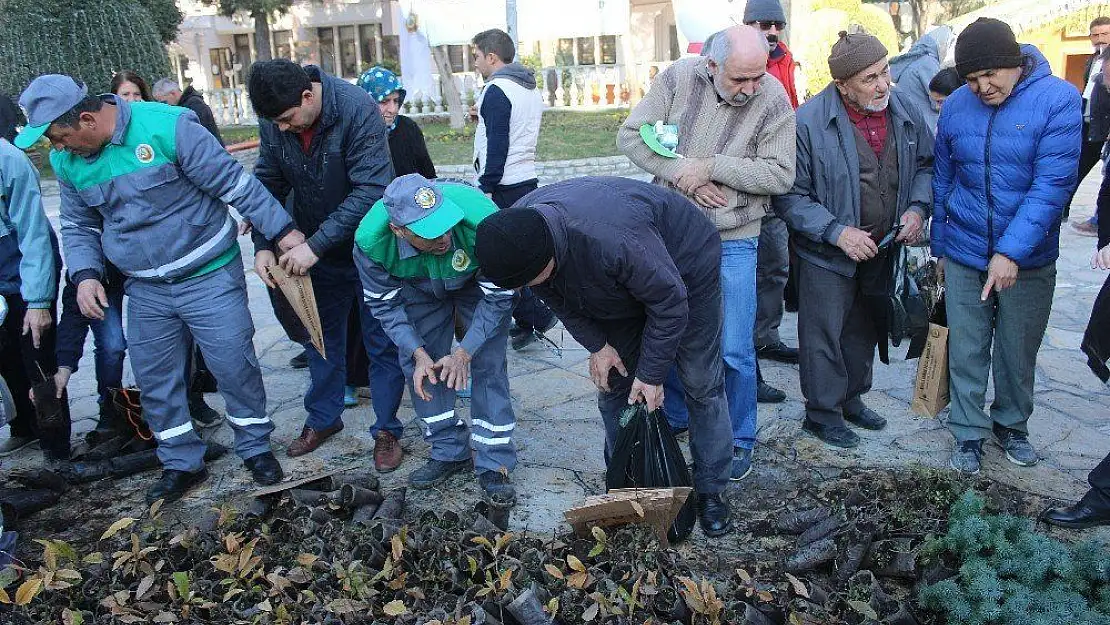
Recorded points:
(737,146)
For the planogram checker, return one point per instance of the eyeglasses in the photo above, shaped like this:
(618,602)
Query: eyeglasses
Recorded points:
(768,25)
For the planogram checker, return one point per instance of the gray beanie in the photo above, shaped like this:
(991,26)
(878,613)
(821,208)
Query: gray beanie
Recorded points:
(854,53)
(763,11)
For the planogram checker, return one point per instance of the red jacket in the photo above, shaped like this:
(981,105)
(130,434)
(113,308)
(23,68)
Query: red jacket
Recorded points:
(783,69)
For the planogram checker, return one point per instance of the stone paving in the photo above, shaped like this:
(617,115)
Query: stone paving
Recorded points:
(559,434)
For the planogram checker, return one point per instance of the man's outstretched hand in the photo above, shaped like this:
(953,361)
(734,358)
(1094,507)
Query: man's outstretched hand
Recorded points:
(650,394)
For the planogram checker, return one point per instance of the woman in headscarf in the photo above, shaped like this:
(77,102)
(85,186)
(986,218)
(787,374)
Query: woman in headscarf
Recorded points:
(406,142)
(913,70)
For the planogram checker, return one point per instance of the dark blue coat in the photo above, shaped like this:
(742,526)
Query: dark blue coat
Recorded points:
(345,171)
(1002,175)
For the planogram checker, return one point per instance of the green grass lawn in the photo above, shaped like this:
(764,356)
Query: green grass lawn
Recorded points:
(564,135)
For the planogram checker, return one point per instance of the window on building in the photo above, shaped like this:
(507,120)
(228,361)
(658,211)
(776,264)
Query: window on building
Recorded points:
(674,48)
(370,41)
(328,61)
(283,44)
(219,68)
(564,52)
(608,49)
(348,51)
(456,57)
(243,58)
(391,48)
(585,47)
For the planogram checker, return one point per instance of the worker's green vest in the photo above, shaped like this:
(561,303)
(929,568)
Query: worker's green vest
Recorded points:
(378,242)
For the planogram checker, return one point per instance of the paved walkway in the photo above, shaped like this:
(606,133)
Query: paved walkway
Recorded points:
(559,434)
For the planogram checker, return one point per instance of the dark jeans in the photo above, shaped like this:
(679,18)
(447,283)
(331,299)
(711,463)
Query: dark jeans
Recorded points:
(337,289)
(701,369)
(530,312)
(358,365)
(1099,495)
(108,339)
(23,366)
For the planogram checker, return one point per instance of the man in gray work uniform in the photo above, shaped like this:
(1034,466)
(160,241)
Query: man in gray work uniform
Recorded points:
(145,185)
(415,254)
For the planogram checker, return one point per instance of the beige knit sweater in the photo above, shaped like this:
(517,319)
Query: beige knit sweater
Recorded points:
(752,146)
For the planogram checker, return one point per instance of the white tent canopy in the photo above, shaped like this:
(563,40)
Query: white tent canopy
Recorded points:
(457,21)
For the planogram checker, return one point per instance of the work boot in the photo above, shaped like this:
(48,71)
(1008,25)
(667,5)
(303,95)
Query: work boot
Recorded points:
(435,472)
(300,361)
(967,458)
(174,484)
(867,419)
(203,415)
(310,439)
(387,452)
(20,504)
(497,487)
(713,515)
(1016,445)
(778,351)
(741,463)
(264,468)
(13,444)
(524,339)
(835,435)
(767,394)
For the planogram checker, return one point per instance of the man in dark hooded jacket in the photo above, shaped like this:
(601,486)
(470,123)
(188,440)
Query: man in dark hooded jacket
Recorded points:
(169,92)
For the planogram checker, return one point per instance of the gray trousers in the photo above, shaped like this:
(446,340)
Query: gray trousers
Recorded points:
(836,343)
(491,412)
(772,272)
(1014,322)
(213,309)
(700,367)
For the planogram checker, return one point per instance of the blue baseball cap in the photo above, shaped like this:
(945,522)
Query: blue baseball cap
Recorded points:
(47,98)
(418,203)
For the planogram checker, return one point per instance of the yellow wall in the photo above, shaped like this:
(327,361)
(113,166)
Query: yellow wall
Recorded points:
(1056,48)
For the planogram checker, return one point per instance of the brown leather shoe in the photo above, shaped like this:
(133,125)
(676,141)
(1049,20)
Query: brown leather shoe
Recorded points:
(310,439)
(387,452)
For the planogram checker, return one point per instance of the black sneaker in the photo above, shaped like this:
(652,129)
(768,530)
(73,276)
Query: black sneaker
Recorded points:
(498,488)
(204,415)
(835,435)
(767,394)
(174,484)
(435,472)
(300,361)
(867,419)
(967,457)
(525,338)
(778,351)
(264,468)
(1016,445)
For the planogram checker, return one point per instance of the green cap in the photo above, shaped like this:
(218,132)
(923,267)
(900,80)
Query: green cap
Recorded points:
(418,203)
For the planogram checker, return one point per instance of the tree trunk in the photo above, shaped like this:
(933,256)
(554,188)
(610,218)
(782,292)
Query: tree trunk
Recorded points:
(448,88)
(262,36)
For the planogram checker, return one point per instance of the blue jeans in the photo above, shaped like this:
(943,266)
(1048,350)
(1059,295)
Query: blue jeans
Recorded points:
(108,338)
(738,264)
(337,288)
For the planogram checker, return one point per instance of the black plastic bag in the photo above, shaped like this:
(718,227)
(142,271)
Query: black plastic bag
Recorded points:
(647,455)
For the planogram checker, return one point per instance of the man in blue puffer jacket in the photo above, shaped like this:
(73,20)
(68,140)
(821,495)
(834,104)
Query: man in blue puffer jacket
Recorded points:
(1007,151)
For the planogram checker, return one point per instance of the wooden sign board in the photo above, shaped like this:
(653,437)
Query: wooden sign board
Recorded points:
(657,507)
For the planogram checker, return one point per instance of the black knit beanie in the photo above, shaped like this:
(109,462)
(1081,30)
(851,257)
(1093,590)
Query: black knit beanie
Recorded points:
(513,246)
(987,43)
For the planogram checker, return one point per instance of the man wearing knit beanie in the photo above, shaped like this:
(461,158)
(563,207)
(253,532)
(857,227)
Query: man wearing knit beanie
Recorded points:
(1007,156)
(633,270)
(863,188)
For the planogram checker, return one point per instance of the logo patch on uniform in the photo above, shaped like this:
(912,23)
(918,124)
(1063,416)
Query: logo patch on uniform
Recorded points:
(425,197)
(460,261)
(144,153)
